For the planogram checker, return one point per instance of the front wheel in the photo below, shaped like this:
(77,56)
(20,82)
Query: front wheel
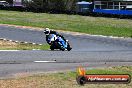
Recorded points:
(69,47)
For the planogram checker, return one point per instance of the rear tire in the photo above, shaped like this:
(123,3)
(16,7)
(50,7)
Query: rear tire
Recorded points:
(51,47)
(62,49)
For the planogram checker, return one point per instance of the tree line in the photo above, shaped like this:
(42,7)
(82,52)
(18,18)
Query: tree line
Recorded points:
(51,5)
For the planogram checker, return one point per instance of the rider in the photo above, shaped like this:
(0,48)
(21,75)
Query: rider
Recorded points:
(47,32)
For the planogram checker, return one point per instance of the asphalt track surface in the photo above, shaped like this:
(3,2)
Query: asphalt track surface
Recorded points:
(88,51)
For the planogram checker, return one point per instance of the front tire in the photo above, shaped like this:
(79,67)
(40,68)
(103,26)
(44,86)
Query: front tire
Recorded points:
(69,47)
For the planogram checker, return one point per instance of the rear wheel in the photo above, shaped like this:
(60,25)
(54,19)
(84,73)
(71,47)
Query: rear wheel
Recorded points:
(51,47)
(62,49)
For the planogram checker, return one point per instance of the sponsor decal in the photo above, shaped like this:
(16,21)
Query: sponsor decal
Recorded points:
(83,78)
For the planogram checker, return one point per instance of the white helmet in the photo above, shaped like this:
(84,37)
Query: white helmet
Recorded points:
(47,31)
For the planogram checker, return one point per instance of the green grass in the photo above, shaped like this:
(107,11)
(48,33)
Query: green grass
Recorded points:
(7,45)
(84,24)
(64,79)
(26,47)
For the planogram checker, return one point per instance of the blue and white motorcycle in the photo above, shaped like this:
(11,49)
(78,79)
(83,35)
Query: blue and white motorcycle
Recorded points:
(57,42)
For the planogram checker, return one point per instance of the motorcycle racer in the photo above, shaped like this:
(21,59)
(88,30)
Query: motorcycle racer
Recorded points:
(47,32)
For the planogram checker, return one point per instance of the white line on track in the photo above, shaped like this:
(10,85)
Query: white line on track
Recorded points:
(40,44)
(4,39)
(36,49)
(33,43)
(9,50)
(44,61)
(26,42)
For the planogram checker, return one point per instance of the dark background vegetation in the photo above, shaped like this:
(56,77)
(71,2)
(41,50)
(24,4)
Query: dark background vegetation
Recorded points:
(52,6)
